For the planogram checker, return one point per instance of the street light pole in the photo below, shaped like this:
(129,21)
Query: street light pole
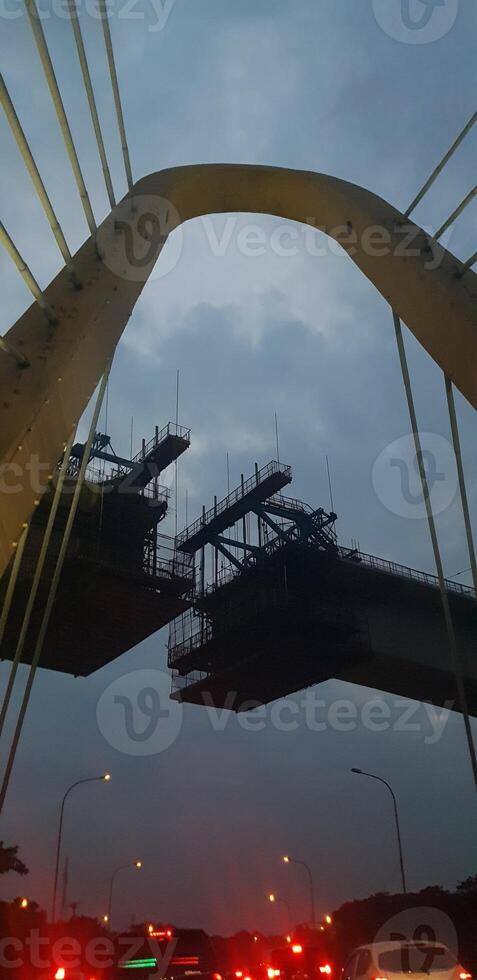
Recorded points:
(91,779)
(276,898)
(371,775)
(134,864)
(290,860)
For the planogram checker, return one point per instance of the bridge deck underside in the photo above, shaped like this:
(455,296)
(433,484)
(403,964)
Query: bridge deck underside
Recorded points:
(339,619)
(115,612)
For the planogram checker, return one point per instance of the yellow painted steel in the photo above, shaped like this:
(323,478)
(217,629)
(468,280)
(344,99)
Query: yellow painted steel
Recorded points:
(425,285)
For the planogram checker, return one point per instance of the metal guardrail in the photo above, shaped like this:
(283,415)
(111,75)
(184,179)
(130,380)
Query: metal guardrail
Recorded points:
(191,643)
(403,571)
(171,429)
(107,482)
(291,503)
(175,566)
(233,498)
(180,682)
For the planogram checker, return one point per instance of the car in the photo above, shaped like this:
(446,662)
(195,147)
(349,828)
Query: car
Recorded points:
(397,960)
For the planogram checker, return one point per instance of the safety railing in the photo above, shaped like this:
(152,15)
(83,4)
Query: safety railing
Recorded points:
(233,498)
(179,682)
(169,563)
(171,429)
(107,482)
(290,503)
(403,571)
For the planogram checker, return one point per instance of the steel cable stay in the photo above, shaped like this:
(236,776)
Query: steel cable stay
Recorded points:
(53,588)
(456,657)
(91,99)
(453,418)
(26,274)
(42,47)
(36,579)
(34,173)
(440,166)
(455,653)
(102,5)
(12,581)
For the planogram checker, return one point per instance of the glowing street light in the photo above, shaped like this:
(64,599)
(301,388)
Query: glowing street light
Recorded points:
(290,860)
(24,903)
(328,920)
(272,898)
(136,864)
(105,778)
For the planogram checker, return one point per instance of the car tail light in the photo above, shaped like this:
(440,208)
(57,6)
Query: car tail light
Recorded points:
(465,976)
(325,969)
(380,978)
(60,973)
(297,948)
(239,974)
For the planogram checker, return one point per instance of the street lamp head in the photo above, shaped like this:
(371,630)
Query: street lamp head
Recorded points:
(286,859)
(107,777)
(358,771)
(328,920)
(24,903)
(271,897)
(138,864)
(105,918)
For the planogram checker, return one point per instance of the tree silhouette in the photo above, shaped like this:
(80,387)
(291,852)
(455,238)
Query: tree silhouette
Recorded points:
(9,860)
(468,887)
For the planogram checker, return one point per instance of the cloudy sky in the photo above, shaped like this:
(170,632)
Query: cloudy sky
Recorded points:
(328,85)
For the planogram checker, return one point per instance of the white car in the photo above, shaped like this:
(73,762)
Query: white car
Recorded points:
(399,960)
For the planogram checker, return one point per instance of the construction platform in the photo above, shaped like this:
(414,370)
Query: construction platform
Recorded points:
(122,580)
(296,609)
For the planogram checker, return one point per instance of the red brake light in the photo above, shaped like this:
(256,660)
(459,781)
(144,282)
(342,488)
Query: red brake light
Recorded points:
(465,976)
(60,973)
(325,969)
(297,948)
(238,974)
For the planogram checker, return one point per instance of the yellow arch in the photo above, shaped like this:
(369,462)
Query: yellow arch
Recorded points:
(420,280)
